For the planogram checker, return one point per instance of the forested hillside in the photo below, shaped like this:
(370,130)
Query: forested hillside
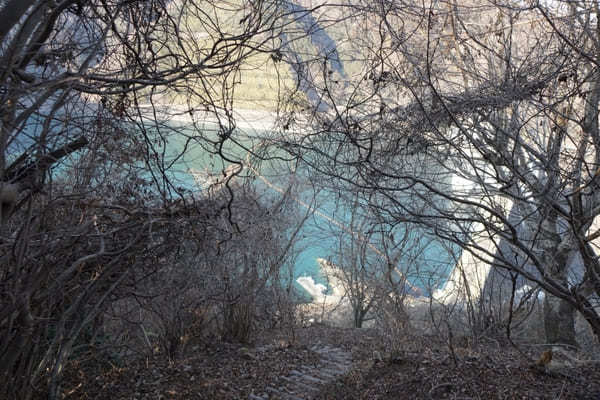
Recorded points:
(166,165)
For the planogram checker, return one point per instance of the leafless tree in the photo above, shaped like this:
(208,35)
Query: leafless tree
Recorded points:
(479,121)
(354,265)
(91,201)
(376,265)
(231,276)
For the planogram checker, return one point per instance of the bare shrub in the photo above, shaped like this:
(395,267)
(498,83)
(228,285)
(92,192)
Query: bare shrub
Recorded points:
(237,321)
(55,293)
(225,280)
(393,322)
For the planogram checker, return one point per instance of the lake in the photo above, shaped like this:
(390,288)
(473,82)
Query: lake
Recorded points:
(426,266)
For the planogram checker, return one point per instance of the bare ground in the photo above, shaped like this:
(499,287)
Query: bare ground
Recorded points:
(421,367)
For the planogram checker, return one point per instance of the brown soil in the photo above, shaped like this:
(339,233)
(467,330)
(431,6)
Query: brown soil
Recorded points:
(422,368)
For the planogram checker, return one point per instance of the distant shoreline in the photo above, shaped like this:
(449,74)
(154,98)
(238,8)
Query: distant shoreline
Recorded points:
(244,118)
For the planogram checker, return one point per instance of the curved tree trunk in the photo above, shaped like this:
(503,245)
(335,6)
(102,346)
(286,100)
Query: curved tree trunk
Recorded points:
(559,315)
(559,321)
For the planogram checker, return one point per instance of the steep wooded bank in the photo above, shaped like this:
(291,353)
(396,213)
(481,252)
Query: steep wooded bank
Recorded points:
(473,125)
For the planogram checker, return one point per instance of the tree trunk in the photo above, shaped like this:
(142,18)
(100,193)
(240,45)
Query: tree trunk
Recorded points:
(11,13)
(357,321)
(559,315)
(359,316)
(559,321)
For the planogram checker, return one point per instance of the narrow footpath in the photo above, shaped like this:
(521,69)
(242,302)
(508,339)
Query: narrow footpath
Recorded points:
(305,382)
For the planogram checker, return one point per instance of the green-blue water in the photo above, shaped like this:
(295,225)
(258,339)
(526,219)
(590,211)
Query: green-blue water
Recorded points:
(426,268)
(183,150)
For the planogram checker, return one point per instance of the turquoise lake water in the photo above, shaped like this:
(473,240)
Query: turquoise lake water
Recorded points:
(426,269)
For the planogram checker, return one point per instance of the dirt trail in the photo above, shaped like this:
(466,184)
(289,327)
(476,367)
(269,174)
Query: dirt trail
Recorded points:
(305,381)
